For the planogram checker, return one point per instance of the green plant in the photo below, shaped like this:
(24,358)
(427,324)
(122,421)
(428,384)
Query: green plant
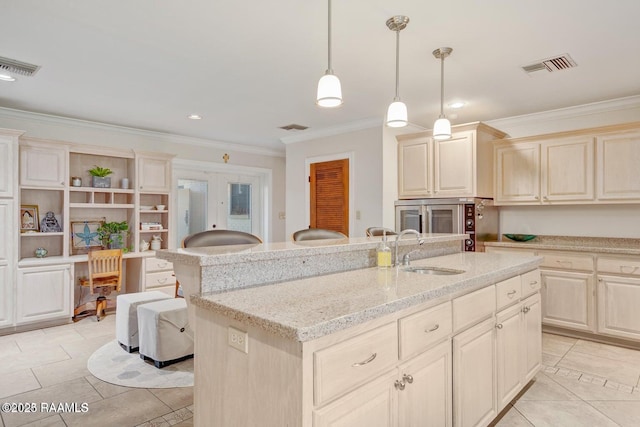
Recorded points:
(112,234)
(100,171)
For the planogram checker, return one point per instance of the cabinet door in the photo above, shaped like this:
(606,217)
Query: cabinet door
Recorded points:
(426,400)
(618,158)
(7,166)
(372,405)
(474,376)
(567,299)
(43,293)
(454,166)
(7,232)
(509,348)
(414,171)
(618,302)
(517,177)
(6,295)
(532,336)
(154,174)
(567,170)
(42,167)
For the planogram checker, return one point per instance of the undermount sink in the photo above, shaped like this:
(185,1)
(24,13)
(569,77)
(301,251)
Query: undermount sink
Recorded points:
(433,270)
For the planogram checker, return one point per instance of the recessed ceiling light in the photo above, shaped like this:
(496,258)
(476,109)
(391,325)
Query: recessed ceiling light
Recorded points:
(456,105)
(195,116)
(7,78)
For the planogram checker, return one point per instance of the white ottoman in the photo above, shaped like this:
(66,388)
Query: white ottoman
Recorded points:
(127,316)
(165,336)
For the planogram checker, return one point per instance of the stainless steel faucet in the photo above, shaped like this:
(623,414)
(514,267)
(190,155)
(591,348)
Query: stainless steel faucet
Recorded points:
(405,259)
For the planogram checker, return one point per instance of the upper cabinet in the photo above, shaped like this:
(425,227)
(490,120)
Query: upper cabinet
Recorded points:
(154,172)
(43,164)
(587,166)
(461,166)
(8,161)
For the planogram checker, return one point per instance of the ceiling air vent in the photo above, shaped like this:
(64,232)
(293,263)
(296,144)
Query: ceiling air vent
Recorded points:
(556,63)
(16,67)
(294,126)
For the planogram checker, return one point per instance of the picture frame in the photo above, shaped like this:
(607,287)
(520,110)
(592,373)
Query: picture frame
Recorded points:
(84,235)
(29,220)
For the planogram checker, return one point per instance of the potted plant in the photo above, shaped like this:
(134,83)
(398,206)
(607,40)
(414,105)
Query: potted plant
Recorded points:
(112,234)
(99,177)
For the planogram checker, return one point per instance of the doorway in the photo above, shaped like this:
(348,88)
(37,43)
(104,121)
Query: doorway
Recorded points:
(329,195)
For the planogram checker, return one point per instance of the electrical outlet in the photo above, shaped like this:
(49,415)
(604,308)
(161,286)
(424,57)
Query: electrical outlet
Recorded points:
(239,339)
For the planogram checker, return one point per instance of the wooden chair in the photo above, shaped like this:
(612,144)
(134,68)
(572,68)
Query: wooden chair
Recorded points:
(105,276)
(216,238)
(316,234)
(379,231)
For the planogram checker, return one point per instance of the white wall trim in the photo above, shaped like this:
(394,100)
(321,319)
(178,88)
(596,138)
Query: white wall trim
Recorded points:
(333,130)
(173,138)
(350,155)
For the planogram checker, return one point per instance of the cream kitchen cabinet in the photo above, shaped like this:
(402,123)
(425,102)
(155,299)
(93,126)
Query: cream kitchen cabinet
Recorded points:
(619,296)
(547,171)
(461,166)
(159,275)
(154,172)
(43,164)
(618,157)
(8,162)
(44,293)
(7,261)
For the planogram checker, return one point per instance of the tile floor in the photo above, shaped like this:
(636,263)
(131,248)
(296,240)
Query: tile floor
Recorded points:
(582,384)
(50,365)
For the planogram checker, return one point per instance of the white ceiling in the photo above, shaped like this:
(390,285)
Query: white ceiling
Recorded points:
(249,67)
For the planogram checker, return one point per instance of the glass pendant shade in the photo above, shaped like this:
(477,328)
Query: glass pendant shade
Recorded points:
(441,129)
(329,91)
(397,114)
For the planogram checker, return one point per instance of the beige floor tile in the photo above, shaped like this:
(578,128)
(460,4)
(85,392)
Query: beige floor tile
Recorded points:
(185,423)
(89,327)
(59,372)
(607,351)
(158,422)
(85,348)
(175,398)
(30,359)
(178,416)
(127,409)
(74,391)
(47,340)
(557,345)
(106,389)
(513,418)
(18,382)
(550,360)
(627,414)
(590,391)
(618,371)
(544,388)
(54,421)
(564,414)
(8,347)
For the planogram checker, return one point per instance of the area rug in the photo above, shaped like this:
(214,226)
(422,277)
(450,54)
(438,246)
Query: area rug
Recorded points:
(112,364)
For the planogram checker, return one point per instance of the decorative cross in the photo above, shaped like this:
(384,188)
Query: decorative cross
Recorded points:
(225,157)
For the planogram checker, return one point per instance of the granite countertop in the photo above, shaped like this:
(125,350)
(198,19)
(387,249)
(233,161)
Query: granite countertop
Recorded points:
(604,245)
(310,308)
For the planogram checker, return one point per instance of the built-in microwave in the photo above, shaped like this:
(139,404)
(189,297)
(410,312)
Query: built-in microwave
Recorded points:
(473,216)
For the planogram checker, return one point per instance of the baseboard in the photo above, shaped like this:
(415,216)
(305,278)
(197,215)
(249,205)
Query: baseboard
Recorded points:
(634,345)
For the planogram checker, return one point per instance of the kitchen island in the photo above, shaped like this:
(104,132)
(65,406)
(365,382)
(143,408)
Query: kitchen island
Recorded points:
(368,346)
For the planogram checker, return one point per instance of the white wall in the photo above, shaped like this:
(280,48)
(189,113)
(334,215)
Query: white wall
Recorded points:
(365,147)
(90,133)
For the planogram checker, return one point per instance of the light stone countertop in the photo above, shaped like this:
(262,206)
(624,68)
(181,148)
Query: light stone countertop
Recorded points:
(310,308)
(602,245)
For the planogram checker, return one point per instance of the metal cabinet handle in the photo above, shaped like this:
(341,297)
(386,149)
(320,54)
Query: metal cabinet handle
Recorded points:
(499,326)
(364,362)
(163,280)
(631,269)
(511,294)
(532,284)
(407,378)
(399,385)
(526,309)
(435,328)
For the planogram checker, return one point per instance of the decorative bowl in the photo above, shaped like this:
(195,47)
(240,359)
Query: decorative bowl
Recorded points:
(146,207)
(520,237)
(160,207)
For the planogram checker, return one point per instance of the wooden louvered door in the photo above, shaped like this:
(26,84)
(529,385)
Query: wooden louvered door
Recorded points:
(329,183)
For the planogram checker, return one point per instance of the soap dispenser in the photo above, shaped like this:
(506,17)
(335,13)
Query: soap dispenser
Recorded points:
(384,252)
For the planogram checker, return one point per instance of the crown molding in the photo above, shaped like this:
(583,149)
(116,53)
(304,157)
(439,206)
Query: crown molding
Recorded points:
(167,137)
(333,130)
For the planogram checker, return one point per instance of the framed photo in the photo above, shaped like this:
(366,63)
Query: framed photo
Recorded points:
(84,236)
(29,221)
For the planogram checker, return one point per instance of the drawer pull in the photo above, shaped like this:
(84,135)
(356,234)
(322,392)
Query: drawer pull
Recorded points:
(499,326)
(526,309)
(435,328)
(162,264)
(162,281)
(407,378)
(631,269)
(399,385)
(533,283)
(569,264)
(511,294)
(364,362)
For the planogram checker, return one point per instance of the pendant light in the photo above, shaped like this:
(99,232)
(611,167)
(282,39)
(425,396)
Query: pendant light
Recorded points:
(442,126)
(397,112)
(329,90)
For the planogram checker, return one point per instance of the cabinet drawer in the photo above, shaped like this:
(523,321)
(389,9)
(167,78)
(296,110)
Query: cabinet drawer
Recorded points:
(162,278)
(157,264)
(508,291)
(345,365)
(421,330)
(471,308)
(627,266)
(566,261)
(531,282)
